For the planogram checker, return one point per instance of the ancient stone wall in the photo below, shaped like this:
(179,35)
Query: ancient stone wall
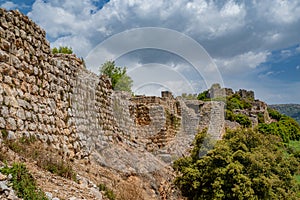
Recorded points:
(57,100)
(52,97)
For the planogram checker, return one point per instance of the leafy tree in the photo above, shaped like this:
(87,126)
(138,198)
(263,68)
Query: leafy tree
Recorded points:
(244,165)
(62,49)
(287,128)
(203,96)
(119,79)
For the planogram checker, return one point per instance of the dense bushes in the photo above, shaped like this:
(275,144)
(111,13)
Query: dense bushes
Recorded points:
(243,120)
(244,165)
(236,102)
(203,96)
(285,127)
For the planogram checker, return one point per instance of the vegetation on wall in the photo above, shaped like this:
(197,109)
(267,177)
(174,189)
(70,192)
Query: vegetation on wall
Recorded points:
(118,75)
(236,102)
(62,49)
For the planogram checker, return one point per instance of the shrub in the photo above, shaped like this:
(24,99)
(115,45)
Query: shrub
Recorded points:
(236,102)
(107,192)
(23,182)
(26,147)
(287,128)
(243,120)
(203,96)
(274,114)
(244,165)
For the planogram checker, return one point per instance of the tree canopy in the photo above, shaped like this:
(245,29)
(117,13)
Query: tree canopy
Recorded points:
(119,78)
(246,164)
(62,49)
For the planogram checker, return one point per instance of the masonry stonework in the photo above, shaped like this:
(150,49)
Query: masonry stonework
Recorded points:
(54,98)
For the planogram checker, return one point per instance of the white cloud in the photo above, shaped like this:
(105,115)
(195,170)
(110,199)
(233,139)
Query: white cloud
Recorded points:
(280,11)
(225,29)
(9,5)
(286,53)
(61,18)
(298,67)
(243,62)
(239,35)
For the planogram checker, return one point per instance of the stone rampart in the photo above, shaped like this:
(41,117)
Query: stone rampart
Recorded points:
(56,99)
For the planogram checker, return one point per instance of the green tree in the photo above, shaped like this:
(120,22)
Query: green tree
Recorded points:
(119,78)
(203,96)
(244,165)
(62,49)
(286,127)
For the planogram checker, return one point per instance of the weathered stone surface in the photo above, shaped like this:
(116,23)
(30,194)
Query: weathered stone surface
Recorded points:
(2,123)
(11,124)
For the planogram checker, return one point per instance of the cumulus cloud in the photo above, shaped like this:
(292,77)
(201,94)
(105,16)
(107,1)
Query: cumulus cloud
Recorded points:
(239,35)
(218,26)
(9,5)
(243,62)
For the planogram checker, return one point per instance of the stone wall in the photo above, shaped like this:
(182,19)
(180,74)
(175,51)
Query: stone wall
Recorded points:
(57,100)
(52,97)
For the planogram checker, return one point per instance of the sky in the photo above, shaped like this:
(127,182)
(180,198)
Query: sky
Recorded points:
(253,45)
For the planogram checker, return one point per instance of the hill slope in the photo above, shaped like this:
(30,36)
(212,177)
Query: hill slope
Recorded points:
(292,110)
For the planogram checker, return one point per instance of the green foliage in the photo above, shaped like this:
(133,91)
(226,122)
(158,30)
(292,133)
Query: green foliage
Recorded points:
(54,164)
(107,192)
(292,110)
(23,182)
(236,102)
(62,49)
(261,118)
(244,165)
(203,96)
(243,120)
(57,166)
(287,128)
(274,114)
(119,79)
(4,133)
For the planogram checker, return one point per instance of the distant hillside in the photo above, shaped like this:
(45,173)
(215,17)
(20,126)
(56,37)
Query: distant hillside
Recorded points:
(292,110)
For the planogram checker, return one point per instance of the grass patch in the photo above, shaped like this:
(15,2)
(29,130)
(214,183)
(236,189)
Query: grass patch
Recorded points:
(23,182)
(107,192)
(28,147)
(4,133)
(57,166)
